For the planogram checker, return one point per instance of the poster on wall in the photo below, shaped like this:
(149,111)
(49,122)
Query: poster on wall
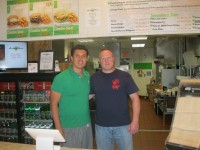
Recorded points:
(17,19)
(66,20)
(40,17)
(93,17)
(47,61)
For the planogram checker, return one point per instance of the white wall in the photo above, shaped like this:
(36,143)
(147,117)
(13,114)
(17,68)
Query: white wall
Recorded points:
(142,56)
(3,25)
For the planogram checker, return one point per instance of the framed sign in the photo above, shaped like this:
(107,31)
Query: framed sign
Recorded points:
(47,62)
(32,67)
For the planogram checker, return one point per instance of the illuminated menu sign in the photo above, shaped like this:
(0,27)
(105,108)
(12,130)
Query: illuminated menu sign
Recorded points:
(38,18)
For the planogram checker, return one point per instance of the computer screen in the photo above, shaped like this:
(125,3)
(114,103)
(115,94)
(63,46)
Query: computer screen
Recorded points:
(13,55)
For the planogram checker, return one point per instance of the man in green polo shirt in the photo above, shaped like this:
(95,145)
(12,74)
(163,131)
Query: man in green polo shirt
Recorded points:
(69,101)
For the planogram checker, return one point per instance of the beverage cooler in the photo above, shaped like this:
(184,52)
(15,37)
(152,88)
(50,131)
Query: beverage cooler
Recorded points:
(8,112)
(35,106)
(24,102)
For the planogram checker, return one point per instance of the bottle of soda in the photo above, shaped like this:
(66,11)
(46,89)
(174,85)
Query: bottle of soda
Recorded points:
(8,130)
(4,128)
(13,127)
(1,127)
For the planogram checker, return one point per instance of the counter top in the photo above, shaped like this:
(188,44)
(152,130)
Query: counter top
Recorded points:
(19,146)
(168,92)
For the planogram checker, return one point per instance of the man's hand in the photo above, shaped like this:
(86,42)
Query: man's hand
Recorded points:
(133,128)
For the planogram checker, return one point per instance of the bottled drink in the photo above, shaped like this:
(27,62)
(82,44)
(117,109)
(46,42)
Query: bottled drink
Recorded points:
(6,96)
(1,96)
(4,128)
(1,105)
(8,130)
(37,112)
(14,127)
(32,112)
(1,127)
(12,96)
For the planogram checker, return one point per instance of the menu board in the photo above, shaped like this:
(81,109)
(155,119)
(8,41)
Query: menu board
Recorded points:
(156,16)
(37,18)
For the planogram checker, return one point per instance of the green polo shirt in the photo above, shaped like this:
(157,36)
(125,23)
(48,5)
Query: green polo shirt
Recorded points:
(74,102)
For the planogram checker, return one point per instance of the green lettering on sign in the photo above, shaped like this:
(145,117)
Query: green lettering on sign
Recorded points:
(37,32)
(64,30)
(20,33)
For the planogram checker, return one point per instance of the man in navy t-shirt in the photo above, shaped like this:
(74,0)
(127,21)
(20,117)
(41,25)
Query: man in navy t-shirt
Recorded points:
(112,89)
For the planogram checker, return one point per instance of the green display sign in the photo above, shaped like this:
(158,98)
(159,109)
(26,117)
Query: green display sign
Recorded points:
(142,65)
(17,33)
(32,1)
(63,30)
(36,32)
(13,2)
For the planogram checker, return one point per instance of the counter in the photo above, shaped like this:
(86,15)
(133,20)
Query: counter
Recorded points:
(18,146)
(165,101)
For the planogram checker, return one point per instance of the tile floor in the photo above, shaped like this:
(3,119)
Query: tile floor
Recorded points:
(152,133)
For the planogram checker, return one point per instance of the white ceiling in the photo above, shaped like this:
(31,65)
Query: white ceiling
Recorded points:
(125,42)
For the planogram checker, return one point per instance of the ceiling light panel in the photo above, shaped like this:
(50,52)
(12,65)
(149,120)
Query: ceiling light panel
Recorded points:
(138,45)
(139,38)
(85,40)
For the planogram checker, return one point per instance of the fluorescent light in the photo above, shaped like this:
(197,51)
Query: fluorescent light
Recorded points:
(85,40)
(138,45)
(139,38)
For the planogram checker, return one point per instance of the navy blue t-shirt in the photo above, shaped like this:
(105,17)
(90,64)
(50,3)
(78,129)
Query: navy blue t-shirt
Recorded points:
(111,95)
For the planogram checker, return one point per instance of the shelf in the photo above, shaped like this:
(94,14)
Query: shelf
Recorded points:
(35,102)
(6,135)
(38,120)
(12,102)
(10,119)
(8,77)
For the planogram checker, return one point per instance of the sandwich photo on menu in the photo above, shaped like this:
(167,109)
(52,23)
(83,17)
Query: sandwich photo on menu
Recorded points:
(39,18)
(63,15)
(12,21)
(17,21)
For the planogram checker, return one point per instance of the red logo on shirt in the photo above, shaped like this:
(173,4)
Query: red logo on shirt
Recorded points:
(115,84)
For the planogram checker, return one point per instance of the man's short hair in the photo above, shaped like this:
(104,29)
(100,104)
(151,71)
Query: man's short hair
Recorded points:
(79,47)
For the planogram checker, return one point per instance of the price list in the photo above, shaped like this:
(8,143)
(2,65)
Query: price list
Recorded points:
(150,16)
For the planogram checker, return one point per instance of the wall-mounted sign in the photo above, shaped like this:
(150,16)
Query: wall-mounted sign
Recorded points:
(32,67)
(47,61)
(39,18)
